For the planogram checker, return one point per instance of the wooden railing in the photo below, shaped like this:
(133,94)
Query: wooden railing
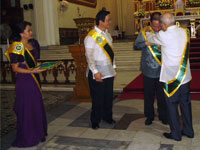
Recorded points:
(66,69)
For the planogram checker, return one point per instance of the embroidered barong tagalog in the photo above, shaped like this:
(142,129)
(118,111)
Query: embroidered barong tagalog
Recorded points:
(19,49)
(154,49)
(172,86)
(103,43)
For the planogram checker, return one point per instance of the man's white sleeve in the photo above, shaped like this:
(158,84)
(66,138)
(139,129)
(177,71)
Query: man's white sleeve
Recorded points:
(154,38)
(89,53)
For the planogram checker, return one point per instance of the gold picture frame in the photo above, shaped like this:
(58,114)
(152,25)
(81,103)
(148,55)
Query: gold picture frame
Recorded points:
(89,3)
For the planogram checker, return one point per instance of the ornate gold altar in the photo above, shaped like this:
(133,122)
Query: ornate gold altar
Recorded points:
(190,12)
(81,89)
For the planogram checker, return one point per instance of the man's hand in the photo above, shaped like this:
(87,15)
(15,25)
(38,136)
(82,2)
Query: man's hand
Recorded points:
(38,70)
(148,44)
(98,77)
(147,29)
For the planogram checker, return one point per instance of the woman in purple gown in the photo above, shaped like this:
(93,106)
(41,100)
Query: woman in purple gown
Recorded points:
(29,107)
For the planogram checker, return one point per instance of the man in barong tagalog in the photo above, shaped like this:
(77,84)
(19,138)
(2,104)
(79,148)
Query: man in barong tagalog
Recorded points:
(175,75)
(101,69)
(150,66)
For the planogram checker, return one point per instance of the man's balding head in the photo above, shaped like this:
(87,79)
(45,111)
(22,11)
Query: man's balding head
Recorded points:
(167,20)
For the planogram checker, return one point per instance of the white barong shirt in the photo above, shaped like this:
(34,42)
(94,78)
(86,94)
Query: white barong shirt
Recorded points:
(173,42)
(97,60)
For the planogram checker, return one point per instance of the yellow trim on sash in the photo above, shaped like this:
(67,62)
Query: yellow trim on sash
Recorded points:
(172,93)
(16,48)
(150,48)
(30,68)
(19,48)
(96,35)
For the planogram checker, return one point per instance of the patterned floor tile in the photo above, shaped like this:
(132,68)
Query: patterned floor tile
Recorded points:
(166,147)
(125,121)
(84,121)
(87,144)
(69,127)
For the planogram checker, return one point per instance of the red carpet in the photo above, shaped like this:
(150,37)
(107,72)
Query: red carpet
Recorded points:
(135,89)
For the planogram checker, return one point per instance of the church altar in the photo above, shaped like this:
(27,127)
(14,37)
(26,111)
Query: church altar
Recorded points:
(188,21)
(187,13)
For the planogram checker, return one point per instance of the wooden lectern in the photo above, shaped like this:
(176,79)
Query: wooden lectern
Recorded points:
(81,89)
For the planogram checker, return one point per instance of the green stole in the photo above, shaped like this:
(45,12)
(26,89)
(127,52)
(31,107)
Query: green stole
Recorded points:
(103,43)
(172,86)
(154,49)
(19,49)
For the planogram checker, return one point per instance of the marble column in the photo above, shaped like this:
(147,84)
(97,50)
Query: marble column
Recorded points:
(46,22)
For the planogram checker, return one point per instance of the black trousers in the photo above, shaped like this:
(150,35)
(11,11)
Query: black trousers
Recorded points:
(182,97)
(153,86)
(102,98)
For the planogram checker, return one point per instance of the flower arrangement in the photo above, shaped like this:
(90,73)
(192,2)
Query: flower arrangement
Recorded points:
(164,5)
(193,3)
(140,14)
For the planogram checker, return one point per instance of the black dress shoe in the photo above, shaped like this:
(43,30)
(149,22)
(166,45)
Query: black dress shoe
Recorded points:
(95,126)
(110,121)
(189,136)
(148,121)
(165,122)
(169,136)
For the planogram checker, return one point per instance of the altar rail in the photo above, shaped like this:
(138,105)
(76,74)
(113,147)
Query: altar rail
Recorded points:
(66,69)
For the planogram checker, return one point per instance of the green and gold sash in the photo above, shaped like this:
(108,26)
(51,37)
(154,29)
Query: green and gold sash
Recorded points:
(154,49)
(103,43)
(19,49)
(172,86)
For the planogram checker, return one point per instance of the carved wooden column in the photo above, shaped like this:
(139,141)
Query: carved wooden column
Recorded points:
(81,89)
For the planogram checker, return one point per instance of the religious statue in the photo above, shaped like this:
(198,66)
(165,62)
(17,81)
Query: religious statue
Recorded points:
(180,5)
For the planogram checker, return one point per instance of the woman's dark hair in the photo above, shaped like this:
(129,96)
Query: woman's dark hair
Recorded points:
(19,28)
(101,15)
(155,16)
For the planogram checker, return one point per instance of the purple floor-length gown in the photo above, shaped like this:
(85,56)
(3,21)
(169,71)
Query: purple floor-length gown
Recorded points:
(29,107)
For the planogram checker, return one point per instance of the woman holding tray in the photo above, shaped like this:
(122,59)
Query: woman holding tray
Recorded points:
(29,107)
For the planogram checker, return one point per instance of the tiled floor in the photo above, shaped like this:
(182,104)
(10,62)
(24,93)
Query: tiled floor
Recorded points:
(69,129)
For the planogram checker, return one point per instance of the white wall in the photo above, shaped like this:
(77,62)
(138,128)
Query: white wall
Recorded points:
(41,17)
(129,18)
(66,17)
